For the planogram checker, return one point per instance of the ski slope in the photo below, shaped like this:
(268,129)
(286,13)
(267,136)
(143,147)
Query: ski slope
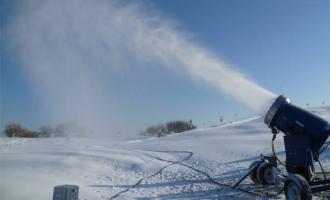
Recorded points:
(103,167)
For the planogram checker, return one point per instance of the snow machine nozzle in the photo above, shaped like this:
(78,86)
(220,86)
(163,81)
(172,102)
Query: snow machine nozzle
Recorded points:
(295,121)
(278,103)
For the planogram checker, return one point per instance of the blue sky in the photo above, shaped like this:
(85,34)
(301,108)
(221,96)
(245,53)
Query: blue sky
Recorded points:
(282,45)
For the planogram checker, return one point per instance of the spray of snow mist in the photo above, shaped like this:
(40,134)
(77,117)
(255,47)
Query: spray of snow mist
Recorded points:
(70,49)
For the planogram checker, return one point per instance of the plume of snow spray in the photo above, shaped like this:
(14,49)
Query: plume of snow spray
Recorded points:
(70,49)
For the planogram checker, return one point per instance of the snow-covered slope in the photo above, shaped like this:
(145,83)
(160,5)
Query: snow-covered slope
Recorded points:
(102,167)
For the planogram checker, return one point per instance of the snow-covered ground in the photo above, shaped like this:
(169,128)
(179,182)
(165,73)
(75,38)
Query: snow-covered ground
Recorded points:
(102,167)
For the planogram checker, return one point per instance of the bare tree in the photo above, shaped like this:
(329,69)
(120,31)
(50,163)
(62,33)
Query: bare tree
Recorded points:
(16,130)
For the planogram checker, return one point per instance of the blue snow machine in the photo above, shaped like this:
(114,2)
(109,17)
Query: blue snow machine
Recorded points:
(305,138)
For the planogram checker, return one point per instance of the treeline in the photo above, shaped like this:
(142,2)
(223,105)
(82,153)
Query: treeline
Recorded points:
(16,130)
(61,130)
(169,128)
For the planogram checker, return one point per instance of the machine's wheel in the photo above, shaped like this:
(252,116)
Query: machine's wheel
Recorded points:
(265,174)
(296,187)
(253,174)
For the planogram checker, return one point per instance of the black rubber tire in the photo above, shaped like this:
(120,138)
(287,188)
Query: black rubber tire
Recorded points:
(264,171)
(253,174)
(297,184)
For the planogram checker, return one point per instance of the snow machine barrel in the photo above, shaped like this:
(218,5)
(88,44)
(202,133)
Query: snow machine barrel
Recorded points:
(310,129)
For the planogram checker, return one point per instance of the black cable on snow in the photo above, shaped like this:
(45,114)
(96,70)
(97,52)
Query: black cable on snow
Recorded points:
(194,169)
(216,182)
(154,174)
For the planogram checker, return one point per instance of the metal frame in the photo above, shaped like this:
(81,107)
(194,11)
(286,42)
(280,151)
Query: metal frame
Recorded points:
(316,185)
(270,159)
(319,186)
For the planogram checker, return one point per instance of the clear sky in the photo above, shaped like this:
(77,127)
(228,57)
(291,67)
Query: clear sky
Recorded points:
(282,45)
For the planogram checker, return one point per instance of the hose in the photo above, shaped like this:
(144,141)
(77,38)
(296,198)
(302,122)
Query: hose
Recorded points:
(190,154)
(274,151)
(212,180)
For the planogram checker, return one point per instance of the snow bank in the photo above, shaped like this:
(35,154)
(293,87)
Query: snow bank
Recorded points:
(30,168)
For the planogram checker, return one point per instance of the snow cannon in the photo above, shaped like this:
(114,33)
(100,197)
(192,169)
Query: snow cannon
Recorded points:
(301,129)
(305,138)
